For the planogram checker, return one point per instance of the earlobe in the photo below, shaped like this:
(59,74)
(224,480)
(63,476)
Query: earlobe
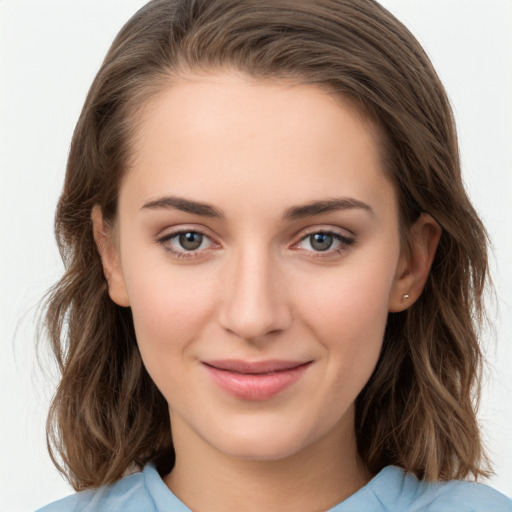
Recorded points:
(415,263)
(110,260)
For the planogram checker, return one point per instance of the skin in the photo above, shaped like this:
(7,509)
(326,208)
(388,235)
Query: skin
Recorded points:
(257,288)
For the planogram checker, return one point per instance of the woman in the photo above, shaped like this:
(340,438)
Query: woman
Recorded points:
(273,270)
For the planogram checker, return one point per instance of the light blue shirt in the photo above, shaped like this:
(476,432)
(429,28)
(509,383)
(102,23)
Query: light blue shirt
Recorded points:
(392,490)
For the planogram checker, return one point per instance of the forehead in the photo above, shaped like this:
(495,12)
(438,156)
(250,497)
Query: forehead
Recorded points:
(215,136)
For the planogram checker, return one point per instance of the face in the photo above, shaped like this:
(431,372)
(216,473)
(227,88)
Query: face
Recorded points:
(257,244)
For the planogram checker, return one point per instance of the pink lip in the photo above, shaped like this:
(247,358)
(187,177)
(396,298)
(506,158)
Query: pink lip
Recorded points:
(259,380)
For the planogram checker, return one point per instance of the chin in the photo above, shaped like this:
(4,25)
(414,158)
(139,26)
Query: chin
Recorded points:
(263,445)
(262,452)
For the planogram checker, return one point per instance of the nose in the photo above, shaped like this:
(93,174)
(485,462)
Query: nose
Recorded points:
(254,304)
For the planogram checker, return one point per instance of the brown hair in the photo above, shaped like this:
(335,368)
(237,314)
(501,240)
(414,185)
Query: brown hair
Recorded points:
(418,409)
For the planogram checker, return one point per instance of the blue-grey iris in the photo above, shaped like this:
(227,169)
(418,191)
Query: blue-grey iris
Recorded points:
(321,241)
(190,241)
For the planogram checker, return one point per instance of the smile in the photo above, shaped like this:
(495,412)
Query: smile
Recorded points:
(256,381)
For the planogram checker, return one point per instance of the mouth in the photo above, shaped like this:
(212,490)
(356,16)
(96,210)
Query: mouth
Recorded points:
(255,380)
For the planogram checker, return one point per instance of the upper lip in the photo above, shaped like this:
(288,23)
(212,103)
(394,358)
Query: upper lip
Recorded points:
(255,367)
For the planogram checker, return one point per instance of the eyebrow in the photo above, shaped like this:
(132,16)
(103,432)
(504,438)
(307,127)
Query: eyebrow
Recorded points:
(294,213)
(184,205)
(325,206)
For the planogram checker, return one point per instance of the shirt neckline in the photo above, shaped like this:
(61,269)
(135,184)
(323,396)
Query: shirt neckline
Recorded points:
(166,501)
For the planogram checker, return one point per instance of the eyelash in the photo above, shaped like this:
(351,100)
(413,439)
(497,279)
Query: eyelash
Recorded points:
(344,241)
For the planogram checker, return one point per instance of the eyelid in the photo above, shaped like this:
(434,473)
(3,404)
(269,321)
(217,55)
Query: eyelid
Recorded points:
(328,230)
(177,229)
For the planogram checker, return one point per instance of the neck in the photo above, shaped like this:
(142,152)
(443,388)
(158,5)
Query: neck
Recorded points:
(317,478)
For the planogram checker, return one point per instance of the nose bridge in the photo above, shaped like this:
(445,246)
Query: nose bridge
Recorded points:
(254,301)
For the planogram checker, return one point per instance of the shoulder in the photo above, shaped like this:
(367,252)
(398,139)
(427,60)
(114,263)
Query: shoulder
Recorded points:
(128,495)
(398,490)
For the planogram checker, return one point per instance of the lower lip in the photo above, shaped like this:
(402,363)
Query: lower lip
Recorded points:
(259,386)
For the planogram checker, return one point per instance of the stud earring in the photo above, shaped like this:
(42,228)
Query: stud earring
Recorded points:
(405,296)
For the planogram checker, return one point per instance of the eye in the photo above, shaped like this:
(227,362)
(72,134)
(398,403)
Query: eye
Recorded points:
(321,241)
(190,241)
(186,243)
(325,242)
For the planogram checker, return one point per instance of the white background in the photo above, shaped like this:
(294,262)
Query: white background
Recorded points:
(49,53)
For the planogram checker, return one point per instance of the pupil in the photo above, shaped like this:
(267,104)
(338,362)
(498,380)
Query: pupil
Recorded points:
(191,241)
(321,241)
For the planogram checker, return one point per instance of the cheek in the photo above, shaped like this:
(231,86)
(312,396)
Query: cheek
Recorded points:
(348,314)
(170,311)
(352,304)
(170,306)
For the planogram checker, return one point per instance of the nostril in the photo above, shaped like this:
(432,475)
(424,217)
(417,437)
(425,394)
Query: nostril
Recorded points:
(256,323)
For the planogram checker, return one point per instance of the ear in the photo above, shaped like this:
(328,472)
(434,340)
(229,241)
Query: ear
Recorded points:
(109,253)
(414,264)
